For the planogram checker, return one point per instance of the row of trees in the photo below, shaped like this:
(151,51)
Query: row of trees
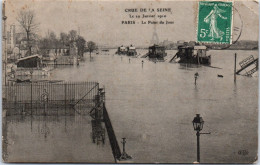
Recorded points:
(29,25)
(64,40)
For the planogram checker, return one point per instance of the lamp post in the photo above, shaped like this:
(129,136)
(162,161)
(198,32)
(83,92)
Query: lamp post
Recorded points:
(123,142)
(124,155)
(198,126)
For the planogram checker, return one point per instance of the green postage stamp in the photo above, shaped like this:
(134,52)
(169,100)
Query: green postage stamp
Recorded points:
(215,22)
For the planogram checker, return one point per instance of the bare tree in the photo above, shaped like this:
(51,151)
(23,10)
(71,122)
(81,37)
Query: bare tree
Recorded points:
(29,25)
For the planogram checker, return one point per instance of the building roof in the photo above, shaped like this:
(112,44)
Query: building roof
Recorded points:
(132,48)
(200,47)
(28,57)
(185,47)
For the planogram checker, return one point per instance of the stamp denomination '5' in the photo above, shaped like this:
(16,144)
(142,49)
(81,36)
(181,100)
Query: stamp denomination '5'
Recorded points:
(214,22)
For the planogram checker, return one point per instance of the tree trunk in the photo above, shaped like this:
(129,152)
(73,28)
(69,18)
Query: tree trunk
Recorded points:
(28,42)
(90,53)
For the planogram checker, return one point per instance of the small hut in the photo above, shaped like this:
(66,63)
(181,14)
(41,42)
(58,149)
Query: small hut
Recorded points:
(33,61)
(157,51)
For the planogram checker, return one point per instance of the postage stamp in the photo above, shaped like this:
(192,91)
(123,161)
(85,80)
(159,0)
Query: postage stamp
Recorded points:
(215,22)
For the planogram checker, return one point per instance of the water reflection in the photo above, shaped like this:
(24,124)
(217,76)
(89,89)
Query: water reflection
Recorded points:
(98,127)
(44,129)
(188,66)
(98,132)
(67,138)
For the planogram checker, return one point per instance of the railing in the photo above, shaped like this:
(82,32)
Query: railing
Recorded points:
(111,135)
(41,72)
(62,60)
(249,73)
(45,97)
(246,61)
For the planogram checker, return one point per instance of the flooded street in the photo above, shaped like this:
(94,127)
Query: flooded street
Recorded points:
(153,107)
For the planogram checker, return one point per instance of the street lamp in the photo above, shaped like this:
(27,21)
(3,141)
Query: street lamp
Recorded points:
(124,155)
(198,126)
(198,123)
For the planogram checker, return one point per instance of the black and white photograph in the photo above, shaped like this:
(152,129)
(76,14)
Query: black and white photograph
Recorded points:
(130,81)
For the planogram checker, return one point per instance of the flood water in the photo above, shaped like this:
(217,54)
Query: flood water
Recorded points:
(55,139)
(153,106)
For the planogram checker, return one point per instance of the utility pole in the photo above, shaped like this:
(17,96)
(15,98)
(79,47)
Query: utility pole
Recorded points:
(5,41)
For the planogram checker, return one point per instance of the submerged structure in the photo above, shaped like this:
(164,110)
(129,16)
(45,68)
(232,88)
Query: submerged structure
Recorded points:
(192,54)
(121,50)
(129,51)
(156,52)
(29,66)
(33,61)
(249,65)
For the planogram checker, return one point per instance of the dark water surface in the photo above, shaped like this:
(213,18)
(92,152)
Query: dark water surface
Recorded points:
(152,106)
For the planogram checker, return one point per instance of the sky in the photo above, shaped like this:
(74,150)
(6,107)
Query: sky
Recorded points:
(101,21)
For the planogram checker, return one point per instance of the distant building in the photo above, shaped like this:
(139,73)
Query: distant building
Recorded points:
(59,50)
(180,42)
(22,45)
(19,37)
(168,44)
(12,36)
(192,43)
(11,41)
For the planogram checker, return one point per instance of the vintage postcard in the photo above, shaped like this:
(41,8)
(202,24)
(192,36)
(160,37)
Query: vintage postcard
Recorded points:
(130,81)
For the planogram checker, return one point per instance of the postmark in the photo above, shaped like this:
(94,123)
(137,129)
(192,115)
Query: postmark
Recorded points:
(215,22)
